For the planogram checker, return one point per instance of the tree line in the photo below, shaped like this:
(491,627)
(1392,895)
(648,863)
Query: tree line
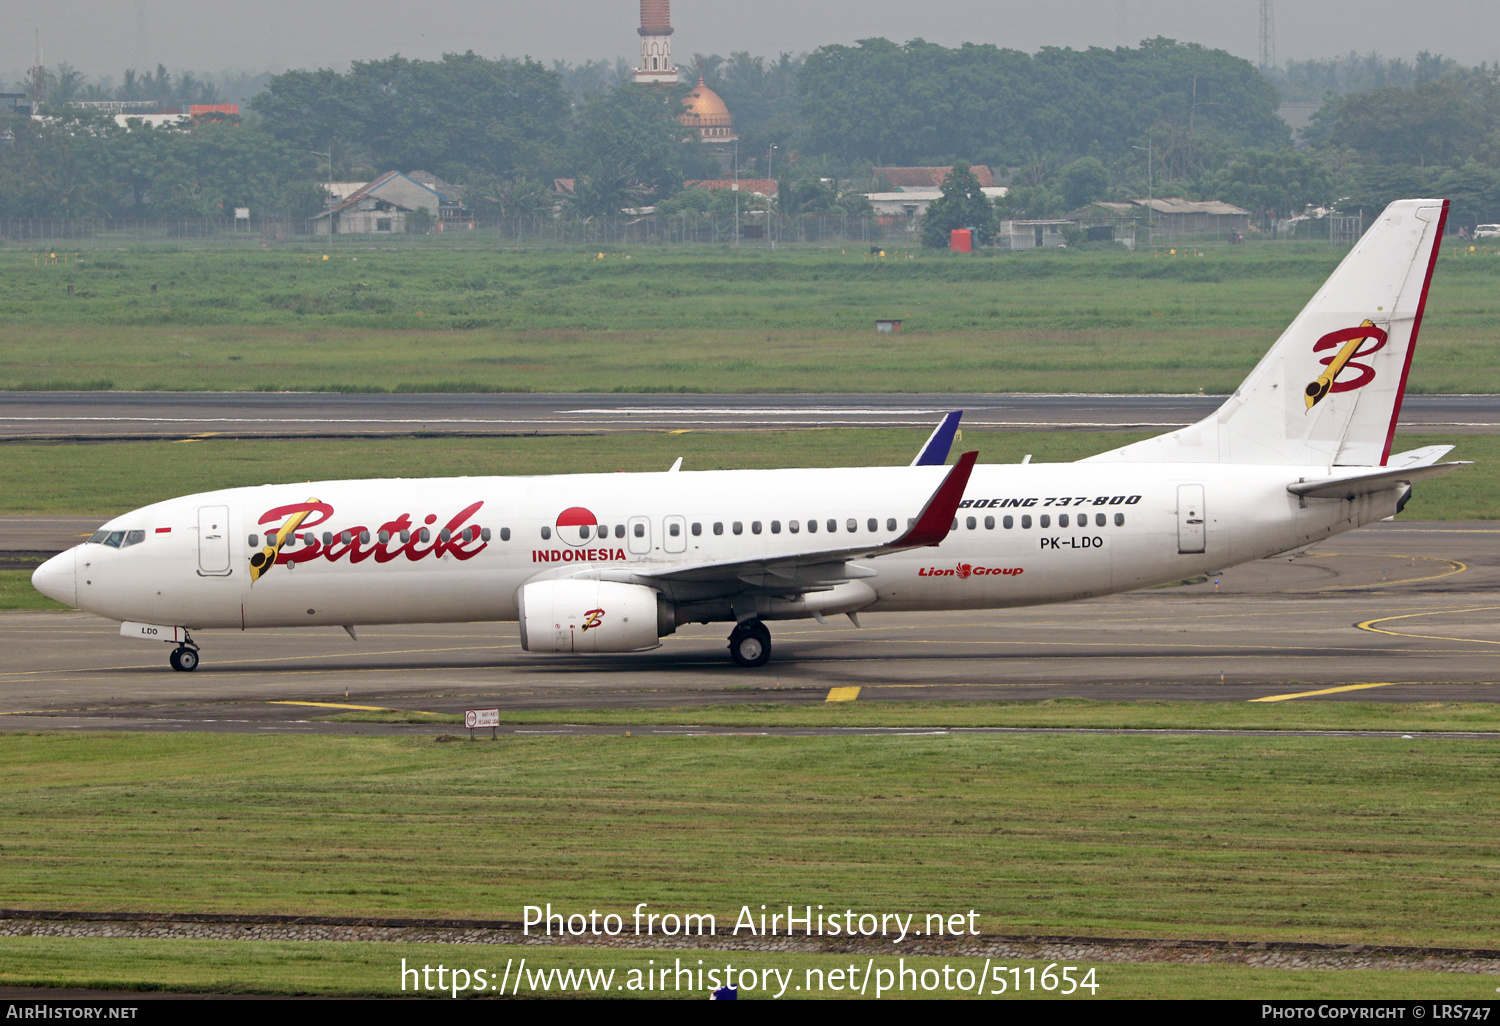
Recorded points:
(1061,127)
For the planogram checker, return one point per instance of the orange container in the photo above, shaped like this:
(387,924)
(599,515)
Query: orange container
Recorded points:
(961,240)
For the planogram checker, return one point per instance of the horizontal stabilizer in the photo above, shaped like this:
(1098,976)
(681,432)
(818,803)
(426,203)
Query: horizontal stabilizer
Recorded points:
(1378,480)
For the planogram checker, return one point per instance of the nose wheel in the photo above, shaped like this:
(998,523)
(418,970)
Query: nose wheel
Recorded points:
(750,643)
(184,657)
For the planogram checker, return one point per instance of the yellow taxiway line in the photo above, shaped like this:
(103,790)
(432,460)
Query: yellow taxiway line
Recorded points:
(1323,691)
(337,705)
(1369,625)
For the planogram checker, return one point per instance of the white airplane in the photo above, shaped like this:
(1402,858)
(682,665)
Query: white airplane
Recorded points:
(594,563)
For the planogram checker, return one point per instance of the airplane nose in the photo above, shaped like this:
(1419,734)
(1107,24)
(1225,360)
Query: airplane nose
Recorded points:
(57,578)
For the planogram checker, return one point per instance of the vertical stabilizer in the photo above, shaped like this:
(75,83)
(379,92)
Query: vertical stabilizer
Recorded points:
(1329,391)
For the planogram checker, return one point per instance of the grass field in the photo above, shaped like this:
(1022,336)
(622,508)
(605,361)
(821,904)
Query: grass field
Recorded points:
(109,479)
(1322,839)
(373,970)
(692,320)
(1058,712)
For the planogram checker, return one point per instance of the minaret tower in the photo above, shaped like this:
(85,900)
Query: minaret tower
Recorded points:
(656,44)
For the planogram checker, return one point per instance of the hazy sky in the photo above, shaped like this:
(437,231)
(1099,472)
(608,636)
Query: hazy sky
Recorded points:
(106,36)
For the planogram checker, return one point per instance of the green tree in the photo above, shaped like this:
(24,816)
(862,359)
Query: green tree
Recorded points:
(1083,181)
(628,150)
(1430,123)
(962,205)
(458,115)
(1473,193)
(1274,184)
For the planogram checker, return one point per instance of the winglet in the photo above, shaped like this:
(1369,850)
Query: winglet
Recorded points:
(935,450)
(936,518)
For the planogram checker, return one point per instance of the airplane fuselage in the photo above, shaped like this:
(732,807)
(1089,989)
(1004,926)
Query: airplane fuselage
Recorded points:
(459,549)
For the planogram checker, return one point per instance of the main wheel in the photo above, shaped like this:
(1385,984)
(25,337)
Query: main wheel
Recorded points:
(184,659)
(750,644)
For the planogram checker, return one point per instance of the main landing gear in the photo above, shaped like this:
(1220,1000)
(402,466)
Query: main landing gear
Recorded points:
(185,656)
(750,643)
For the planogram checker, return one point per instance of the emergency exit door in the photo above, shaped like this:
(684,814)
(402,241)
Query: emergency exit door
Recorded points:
(1191,521)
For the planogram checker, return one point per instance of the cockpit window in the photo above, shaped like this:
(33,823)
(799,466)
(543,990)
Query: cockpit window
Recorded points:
(98,538)
(133,538)
(114,539)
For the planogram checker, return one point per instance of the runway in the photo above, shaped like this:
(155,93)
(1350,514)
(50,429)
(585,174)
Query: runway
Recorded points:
(153,415)
(1396,612)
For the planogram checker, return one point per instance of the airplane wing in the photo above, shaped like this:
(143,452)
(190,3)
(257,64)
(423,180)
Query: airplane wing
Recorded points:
(794,572)
(821,567)
(935,450)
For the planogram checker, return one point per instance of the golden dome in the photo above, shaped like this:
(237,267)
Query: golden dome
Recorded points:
(703,108)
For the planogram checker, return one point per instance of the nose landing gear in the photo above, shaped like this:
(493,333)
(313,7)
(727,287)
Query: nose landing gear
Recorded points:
(750,643)
(185,656)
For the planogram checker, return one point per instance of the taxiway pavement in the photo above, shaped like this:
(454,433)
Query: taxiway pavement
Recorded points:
(1392,612)
(156,415)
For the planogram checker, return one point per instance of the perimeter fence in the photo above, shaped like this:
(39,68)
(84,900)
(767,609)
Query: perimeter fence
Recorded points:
(526,232)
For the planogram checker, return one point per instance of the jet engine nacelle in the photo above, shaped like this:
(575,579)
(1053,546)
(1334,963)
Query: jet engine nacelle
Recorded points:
(574,615)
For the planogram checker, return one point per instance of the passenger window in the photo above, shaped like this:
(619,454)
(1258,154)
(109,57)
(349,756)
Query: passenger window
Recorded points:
(364,537)
(852,525)
(619,530)
(737,527)
(755,527)
(873,525)
(812,527)
(718,527)
(794,526)
(1098,519)
(971,523)
(443,536)
(1026,522)
(546,533)
(328,536)
(989,523)
(311,539)
(890,523)
(1008,522)
(955,524)
(776,527)
(1046,520)
(255,541)
(697,529)
(504,534)
(484,535)
(674,529)
(833,525)
(640,530)
(1119,519)
(385,536)
(425,535)
(1062,520)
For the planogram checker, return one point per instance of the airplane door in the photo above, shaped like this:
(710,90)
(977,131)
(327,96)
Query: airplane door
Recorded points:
(638,536)
(1191,536)
(674,537)
(213,541)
